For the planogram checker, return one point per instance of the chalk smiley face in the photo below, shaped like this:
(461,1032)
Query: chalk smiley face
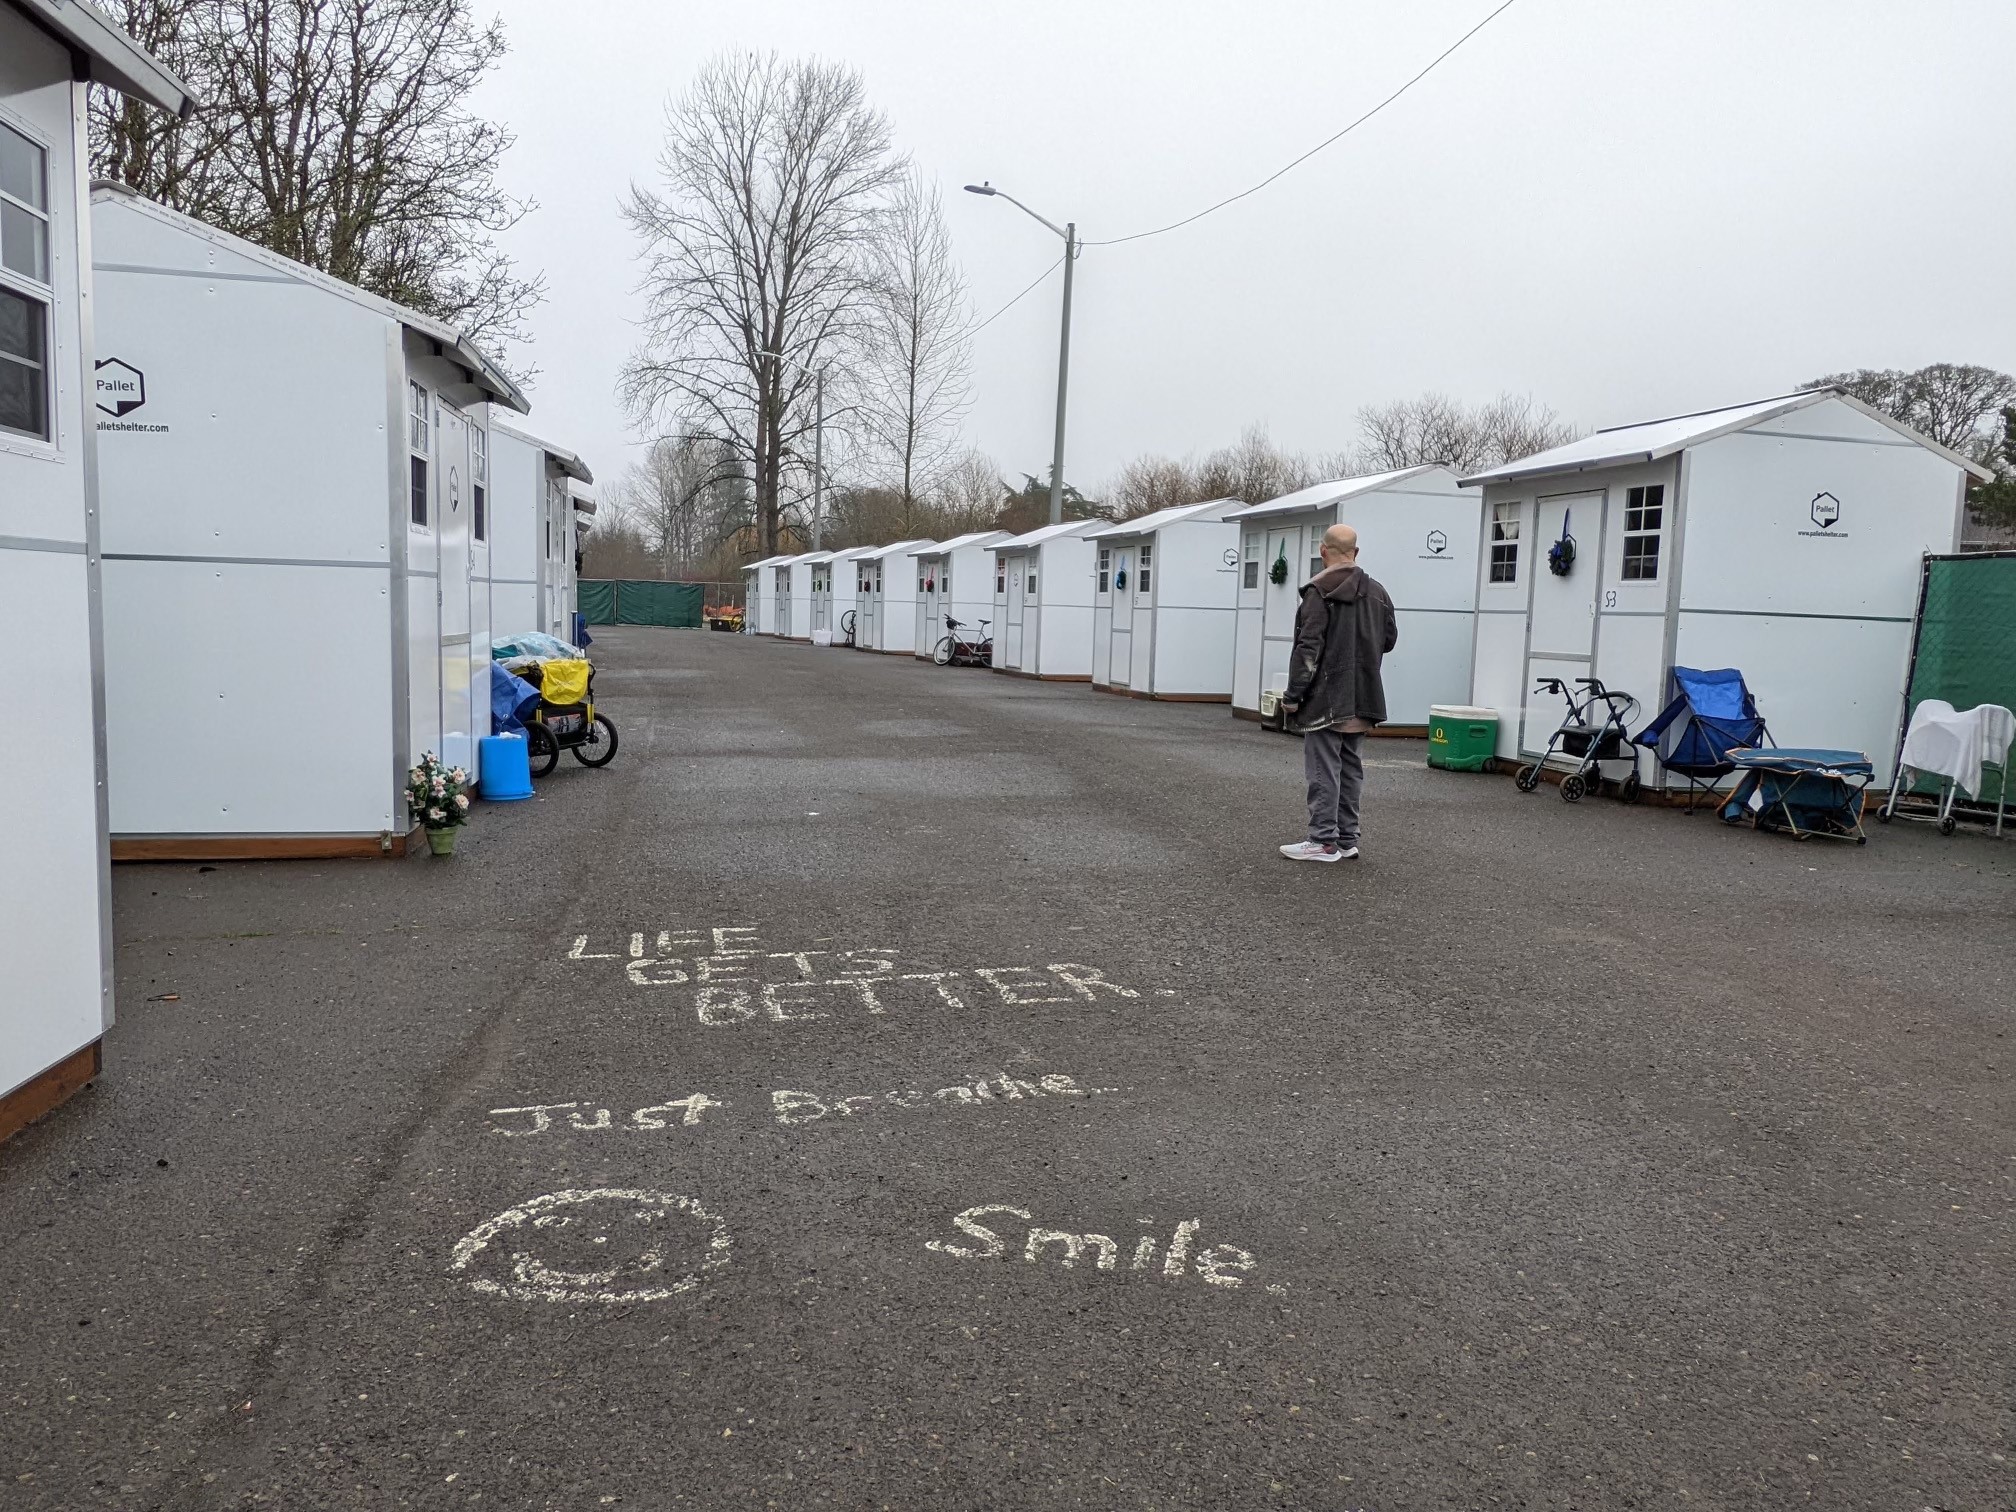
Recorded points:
(610,1245)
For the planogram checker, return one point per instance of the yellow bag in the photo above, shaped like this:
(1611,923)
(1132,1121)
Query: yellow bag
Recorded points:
(566,681)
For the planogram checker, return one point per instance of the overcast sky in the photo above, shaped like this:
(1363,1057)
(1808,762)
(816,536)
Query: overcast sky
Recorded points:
(1626,210)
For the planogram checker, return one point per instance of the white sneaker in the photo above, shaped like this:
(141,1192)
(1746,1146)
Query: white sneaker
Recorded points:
(1310,850)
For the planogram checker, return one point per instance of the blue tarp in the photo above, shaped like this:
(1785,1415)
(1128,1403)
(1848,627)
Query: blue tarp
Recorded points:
(511,698)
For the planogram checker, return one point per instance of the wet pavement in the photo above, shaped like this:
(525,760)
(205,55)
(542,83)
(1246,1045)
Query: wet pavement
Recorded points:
(886,1086)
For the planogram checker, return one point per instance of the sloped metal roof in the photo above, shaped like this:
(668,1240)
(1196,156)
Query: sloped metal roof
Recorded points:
(1321,495)
(112,58)
(898,548)
(1148,524)
(1060,531)
(1650,440)
(971,538)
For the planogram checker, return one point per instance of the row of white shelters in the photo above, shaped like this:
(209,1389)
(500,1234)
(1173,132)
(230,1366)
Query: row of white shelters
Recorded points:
(1417,534)
(530,495)
(1782,538)
(835,588)
(55,894)
(300,592)
(1162,625)
(759,596)
(954,579)
(885,598)
(1043,601)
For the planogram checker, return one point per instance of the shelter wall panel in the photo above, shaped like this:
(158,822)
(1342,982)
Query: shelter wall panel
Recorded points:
(214,731)
(514,608)
(1246,658)
(1631,658)
(517,495)
(238,471)
(1818,682)
(1421,545)
(50,953)
(423,662)
(1193,653)
(1065,640)
(1430,665)
(1192,572)
(1498,678)
(1755,542)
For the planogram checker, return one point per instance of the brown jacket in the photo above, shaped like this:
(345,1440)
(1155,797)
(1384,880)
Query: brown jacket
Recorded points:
(1343,629)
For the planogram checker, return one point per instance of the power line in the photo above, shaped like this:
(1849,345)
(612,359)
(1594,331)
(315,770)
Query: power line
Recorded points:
(975,330)
(1115,241)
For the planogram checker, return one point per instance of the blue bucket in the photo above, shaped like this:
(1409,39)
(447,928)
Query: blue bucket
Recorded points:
(507,768)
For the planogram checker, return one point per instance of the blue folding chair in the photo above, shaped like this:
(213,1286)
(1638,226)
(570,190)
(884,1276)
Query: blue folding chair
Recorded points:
(1710,715)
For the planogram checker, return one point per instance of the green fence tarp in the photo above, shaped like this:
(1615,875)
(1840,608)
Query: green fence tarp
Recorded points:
(1966,648)
(633,601)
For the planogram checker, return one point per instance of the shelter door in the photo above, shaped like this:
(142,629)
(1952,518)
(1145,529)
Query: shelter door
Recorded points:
(1123,617)
(453,589)
(1561,626)
(1014,655)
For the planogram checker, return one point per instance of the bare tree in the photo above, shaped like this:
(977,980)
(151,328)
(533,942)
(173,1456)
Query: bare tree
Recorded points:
(758,255)
(337,133)
(920,357)
(1946,402)
(969,495)
(686,498)
(1253,468)
(1438,429)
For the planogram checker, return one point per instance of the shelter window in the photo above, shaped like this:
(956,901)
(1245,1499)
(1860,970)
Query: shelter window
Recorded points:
(945,577)
(24,256)
(1032,582)
(1147,563)
(418,489)
(417,429)
(1000,580)
(24,206)
(479,467)
(1644,518)
(1105,569)
(1315,566)
(1505,542)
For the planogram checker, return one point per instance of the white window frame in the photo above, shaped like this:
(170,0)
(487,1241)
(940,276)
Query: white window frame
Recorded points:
(1105,569)
(419,448)
(1147,567)
(479,485)
(36,293)
(1638,534)
(1506,518)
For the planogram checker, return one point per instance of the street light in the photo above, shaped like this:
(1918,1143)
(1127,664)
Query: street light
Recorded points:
(818,436)
(1069,231)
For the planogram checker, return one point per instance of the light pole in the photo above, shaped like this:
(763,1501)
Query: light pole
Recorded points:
(1069,231)
(818,437)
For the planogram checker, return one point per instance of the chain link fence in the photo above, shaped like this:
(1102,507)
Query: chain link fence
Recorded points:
(644,601)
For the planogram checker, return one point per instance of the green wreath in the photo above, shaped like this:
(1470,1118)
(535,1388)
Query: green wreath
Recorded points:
(1278,573)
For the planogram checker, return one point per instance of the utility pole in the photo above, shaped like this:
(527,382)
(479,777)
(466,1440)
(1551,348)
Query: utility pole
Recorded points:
(1069,232)
(1063,378)
(819,454)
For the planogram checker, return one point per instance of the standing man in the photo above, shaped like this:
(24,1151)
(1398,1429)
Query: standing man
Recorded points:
(1343,630)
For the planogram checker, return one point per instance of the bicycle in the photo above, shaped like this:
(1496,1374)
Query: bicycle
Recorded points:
(957,650)
(847,628)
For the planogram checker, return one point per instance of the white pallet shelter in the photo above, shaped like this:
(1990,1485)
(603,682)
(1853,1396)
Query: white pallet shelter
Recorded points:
(308,587)
(581,517)
(834,589)
(1043,602)
(801,574)
(532,511)
(55,899)
(885,598)
(1417,535)
(759,596)
(777,595)
(953,577)
(1782,538)
(1167,591)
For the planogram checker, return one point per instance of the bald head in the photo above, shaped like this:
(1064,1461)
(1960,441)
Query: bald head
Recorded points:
(1340,546)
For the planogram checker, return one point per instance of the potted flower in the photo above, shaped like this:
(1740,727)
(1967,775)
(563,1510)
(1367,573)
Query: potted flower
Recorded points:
(438,797)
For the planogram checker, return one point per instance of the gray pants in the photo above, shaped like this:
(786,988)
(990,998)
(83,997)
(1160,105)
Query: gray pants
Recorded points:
(1335,766)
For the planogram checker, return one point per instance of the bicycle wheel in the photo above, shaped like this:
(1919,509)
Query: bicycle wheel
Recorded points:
(942,652)
(599,748)
(542,751)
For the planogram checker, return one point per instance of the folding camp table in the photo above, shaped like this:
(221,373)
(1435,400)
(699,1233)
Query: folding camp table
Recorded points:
(1803,791)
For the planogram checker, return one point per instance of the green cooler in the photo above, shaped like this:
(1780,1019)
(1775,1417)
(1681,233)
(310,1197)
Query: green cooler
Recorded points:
(1461,739)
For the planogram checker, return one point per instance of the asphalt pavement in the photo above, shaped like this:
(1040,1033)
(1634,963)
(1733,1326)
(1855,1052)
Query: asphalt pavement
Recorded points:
(894,1087)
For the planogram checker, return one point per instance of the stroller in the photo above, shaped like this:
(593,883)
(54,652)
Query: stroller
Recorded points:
(1711,715)
(1588,738)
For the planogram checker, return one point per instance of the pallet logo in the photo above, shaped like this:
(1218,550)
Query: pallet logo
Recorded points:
(1826,509)
(122,388)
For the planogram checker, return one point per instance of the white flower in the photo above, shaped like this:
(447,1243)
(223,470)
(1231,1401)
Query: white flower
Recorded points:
(436,815)
(462,800)
(456,774)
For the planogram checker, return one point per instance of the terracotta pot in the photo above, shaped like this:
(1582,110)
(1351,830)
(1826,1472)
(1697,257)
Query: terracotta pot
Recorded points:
(442,841)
